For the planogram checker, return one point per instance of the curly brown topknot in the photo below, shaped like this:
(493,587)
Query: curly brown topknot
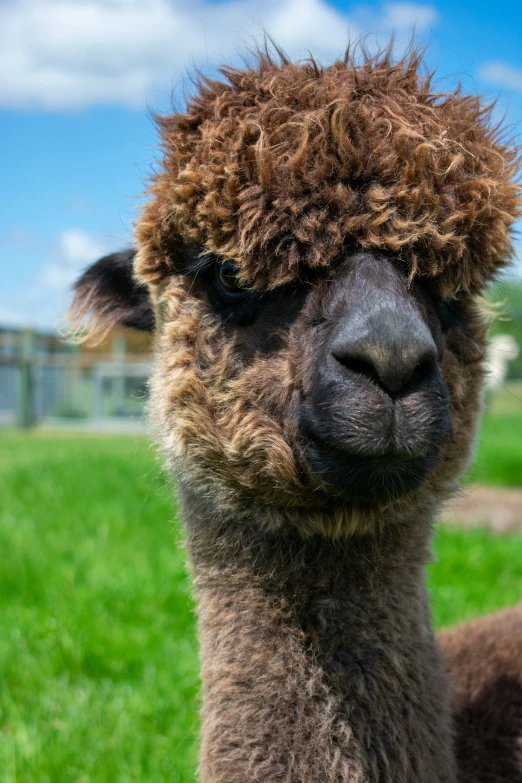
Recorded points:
(284,164)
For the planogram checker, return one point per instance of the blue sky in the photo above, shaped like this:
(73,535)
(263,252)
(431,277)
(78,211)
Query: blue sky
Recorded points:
(79,78)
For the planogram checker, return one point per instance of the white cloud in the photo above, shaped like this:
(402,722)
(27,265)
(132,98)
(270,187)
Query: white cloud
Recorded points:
(43,303)
(405,16)
(297,24)
(502,74)
(67,54)
(73,251)
(57,54)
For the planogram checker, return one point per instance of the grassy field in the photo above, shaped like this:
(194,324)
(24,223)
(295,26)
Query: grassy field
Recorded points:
(98,661)
(98,657)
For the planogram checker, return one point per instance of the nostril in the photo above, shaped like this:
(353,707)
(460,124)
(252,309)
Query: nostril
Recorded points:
(396,369)
(392,347)
(358,365)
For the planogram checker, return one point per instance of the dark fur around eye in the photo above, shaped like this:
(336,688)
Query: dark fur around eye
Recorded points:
(451,314)
(235,305)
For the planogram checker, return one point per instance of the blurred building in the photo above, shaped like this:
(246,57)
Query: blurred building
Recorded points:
(46,381)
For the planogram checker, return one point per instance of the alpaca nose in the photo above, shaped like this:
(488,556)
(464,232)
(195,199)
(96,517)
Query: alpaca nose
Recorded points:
(394,348)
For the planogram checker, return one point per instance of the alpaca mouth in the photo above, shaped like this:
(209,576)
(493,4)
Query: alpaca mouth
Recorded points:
(358,478)
(377,459)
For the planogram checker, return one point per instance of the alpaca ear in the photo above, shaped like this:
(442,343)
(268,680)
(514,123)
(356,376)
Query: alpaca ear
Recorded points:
(107,295)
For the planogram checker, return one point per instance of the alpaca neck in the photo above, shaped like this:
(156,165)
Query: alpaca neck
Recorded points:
(318,661)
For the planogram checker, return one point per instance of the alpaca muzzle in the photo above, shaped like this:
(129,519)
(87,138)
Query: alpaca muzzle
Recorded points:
(375,416)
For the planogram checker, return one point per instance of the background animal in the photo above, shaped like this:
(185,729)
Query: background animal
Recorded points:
(313,249)
(503,348)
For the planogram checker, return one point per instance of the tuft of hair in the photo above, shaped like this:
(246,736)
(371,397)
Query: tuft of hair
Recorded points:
(277,165)
(107,295)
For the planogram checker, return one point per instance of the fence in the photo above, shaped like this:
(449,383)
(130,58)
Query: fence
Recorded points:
(70,387)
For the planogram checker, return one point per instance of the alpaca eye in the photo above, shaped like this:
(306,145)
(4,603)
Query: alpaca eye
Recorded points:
(228,279)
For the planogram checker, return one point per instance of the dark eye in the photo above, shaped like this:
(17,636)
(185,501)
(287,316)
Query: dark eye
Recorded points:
(227,278)
(237,304)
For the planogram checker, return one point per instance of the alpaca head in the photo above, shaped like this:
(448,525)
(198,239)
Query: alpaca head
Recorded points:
(313,248)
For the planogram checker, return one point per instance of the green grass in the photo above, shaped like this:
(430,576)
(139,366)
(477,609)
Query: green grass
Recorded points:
(499,454)
(98,660)
(98,657)
(475,573)
(507,401)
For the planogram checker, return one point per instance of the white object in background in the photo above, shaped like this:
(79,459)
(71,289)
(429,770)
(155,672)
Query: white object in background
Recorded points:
(501,350)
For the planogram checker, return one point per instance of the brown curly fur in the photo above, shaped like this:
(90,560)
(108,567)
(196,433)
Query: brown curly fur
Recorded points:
(484,659)
(282,163)
(319,662)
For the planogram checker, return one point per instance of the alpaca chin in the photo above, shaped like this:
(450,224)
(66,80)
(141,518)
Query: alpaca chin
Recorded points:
(362,480)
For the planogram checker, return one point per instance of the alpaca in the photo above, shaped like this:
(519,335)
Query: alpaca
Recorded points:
(313,251)
(503,348)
